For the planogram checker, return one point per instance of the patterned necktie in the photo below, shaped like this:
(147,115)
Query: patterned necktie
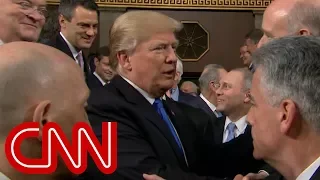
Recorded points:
(231,131)
(164,116)
(80,59)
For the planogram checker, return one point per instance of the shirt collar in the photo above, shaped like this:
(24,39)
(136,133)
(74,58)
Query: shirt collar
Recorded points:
(100,79)
(71,47)
(309,171)
(1,42)
(3,177)
(241,124)
(141,91)
(211,106)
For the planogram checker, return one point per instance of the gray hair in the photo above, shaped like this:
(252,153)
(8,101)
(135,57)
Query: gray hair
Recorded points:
(210,73)
(179,67)
(304,14)
(247,77)
(290,70)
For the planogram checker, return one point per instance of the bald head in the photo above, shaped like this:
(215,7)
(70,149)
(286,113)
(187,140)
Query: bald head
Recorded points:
(189,87)
(39,84)
(31,73)
(290,17)
(275,20)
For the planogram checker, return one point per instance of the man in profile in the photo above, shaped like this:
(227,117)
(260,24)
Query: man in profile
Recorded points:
(38,84)
(285,114)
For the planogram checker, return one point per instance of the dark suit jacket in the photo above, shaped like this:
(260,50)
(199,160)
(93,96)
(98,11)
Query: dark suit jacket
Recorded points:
(93,82)
(198,102)
(145,143)
(315,176)
(59,43)
(185,97)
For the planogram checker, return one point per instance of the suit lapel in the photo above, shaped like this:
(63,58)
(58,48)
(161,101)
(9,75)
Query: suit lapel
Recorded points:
(219,129)
(316,175)
(205,106)
(147,110)
(63,46)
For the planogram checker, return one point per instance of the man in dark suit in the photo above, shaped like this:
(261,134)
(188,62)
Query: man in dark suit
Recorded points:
(175,93)
(233,100)
(103,73)
(209,83)
(286,100)
(155,133)
(78,21)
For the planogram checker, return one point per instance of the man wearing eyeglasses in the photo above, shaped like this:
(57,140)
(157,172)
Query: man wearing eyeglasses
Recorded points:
(21,20)
(209,83)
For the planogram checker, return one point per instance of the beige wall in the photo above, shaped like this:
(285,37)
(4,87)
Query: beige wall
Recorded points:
(227,30)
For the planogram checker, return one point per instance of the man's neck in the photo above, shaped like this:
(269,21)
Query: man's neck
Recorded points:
(236,115)
(6,39)
(210,97)
(296,156)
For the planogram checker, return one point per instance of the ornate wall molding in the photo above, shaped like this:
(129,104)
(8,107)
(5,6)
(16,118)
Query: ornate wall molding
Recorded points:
(184,4)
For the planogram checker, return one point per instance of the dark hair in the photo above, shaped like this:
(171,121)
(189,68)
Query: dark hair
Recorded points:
(255,35)
(66,7)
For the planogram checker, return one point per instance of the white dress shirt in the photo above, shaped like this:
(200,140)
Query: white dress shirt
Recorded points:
(100,79)
(75,53)
(241,125)
(1,42)
(211,106)
(309,171)
(3,177)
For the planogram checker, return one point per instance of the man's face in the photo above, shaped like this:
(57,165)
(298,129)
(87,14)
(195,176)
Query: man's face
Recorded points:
(274,25)
(245,55)
(265,122)
(230,95)
(215,86)
(22,19)
(153,63)
(251,45)
(103,68)
(82,29)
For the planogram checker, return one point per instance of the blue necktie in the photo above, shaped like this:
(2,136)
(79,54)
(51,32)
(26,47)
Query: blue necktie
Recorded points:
(217,113)
(164,116)
(231,134)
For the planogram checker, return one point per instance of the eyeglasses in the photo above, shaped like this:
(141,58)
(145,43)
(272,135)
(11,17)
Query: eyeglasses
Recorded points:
(28,8)
(216,85)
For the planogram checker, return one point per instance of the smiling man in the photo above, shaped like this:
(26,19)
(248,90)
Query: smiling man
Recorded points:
(21,20)
(79,26)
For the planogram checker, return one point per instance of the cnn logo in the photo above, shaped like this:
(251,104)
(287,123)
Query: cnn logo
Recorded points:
(73,153)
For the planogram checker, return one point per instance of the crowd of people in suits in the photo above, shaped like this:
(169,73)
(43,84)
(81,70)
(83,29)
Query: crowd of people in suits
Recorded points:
(257,122)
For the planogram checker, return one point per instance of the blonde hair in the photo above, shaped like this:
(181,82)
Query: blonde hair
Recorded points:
(134,27)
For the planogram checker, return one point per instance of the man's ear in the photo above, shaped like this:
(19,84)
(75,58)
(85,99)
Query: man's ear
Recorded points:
(289,123)
(124,60)
(247,97)
(62,21)
(304,32)
(40,115)
(96,62)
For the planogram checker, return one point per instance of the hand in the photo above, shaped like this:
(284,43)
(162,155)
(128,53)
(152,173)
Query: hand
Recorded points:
(152,177)
(251,176)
